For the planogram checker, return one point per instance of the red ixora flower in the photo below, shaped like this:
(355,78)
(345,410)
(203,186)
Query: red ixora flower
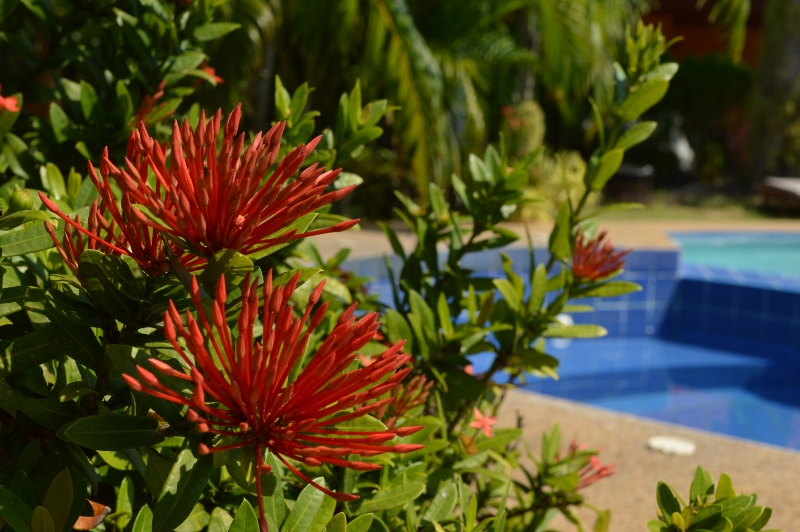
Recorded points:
(211,201)
(256,405)
(592,471)
(9,103)
(483,423)
(125,234)
(595,259)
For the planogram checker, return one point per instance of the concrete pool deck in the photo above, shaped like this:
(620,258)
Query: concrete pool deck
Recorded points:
(771,472)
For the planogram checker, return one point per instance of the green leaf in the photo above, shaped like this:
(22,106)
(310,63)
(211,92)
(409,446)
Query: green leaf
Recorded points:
(144,520)
(117,460)
(89,101)
(182,490)
(220,520)
(74,389)
(635,135)
(59,121)
(111,285)
(232,264)
(312,510)
(113,433)
(667,502)
(725,488)
(124,509)
(245,519)
(157,471)
(500,440)
(53,181)
(8,401)
(560,246)
(609,289)
(361,523)
(21,485)
(391,498)
(511,294)
(50,413)
(575,331)
(196,521)
(28,239)
(702,485)
(41,521)
(643,98)
(663,71)
(338,523)
(58,500)
(600,170)
(214,30)
(442,504)
(10,221)
(14,512)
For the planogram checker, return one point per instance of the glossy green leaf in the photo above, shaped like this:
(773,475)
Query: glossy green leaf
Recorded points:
(232,264)
(214,30)
(14,512)
(575,331)
(220,520)
(89,101)
(58,500)
(41,521)
(311,512)
(157,471)
(725,488)
(361,523)
(245,519)
(609,289)
(144,520)
(641,99)
(111,284)
(184,485)
(667,502)
(635,135)
(338,523)
(443,503)
(113,433)
(391,498)
(603,168)
(196,521)
(22,486)
(559,244)
(28,239)
(8,401)
(50,413)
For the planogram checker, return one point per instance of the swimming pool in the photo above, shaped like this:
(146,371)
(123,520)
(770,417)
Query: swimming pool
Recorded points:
(774,253)
(707,347)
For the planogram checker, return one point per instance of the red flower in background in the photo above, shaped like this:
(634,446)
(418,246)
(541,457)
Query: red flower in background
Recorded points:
(595,259)
(9,103)
(212,201)
(125,234)
(249,381)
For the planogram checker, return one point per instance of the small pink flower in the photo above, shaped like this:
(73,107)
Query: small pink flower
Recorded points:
(483,423)
(9,103)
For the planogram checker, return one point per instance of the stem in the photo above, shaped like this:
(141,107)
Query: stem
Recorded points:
(262,517)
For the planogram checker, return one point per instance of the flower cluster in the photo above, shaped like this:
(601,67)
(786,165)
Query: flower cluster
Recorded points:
(593,260)
(209,202)
(257,403)
(203,201)
(125,234)
(593,470)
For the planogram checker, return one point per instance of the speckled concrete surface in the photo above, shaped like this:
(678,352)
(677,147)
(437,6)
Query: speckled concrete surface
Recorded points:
(771,472)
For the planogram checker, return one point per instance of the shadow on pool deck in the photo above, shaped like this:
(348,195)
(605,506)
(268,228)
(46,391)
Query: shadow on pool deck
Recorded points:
(771,472)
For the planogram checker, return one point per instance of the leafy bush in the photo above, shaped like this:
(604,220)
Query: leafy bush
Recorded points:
(179,361)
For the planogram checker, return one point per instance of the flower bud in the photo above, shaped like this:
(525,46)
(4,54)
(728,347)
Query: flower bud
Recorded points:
(20,201)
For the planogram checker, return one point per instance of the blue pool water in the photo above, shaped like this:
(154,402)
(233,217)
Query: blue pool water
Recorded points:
(775,253)
(743,395)
(713,346)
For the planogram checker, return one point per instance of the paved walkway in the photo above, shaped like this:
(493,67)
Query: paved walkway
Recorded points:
(771,472)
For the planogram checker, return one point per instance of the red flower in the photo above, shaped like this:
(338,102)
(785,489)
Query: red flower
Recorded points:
(248,380)
(593,259)
(211,201)
(212,72)
(405,397)
(9,103)
(148,105)
(482,423)
(124,235)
